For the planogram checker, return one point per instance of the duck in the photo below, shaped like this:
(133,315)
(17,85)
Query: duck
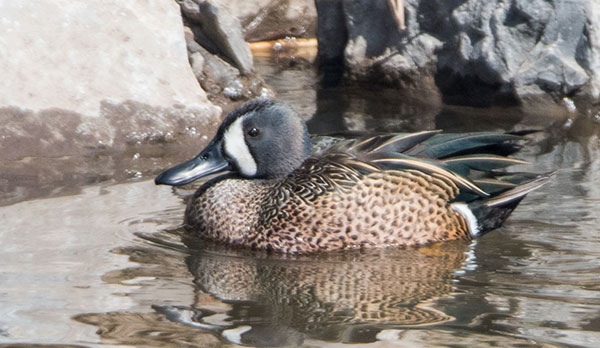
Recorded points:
(272,187)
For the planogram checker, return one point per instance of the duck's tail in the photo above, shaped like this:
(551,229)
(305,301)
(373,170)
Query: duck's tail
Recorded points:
(488,214)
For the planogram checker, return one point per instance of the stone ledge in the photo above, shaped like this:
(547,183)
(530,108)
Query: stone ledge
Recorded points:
(475,52)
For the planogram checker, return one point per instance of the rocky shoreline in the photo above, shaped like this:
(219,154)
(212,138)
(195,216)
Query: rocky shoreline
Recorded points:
(469,52)
(106,83)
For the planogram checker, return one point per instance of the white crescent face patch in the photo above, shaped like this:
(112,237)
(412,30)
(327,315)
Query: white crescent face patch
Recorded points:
(235,147)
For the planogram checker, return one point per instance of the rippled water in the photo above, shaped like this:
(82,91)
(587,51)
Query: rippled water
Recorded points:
(109,267)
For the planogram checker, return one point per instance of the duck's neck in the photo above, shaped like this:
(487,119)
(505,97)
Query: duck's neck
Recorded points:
(283,158)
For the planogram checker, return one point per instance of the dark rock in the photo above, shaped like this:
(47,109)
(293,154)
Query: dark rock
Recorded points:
(332,31)
(216,29)
(471,51)
(222,82)
(216,48)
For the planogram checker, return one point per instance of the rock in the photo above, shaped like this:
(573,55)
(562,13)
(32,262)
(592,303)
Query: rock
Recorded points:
(214,27)
(332,32)
(273,19)
(86,85)
(223,82)
(58,54)
(219,56)
(593,32)
(470,51)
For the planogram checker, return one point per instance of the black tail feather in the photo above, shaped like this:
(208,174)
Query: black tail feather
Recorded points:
(492,212)
(490,218)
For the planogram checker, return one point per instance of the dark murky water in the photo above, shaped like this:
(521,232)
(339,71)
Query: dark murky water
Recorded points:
(108,266)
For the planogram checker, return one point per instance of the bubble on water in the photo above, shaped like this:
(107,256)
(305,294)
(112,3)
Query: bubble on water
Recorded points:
(568,123)
(191,131)
(234,89)
(266,93)
(570,104)
(136,174)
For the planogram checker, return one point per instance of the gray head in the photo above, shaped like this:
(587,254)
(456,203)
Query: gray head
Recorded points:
(261,139)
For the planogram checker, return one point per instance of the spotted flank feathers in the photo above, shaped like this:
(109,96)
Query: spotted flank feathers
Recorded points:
(404,189)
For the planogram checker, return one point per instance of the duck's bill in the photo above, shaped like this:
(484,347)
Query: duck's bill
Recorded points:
(209,161)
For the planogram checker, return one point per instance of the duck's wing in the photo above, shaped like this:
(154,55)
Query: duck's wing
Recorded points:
(450,145)
(398,142)
(474,162)
(434,145)
(464,173)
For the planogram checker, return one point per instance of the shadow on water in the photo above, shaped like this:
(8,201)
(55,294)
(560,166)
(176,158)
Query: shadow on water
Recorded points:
(359,107)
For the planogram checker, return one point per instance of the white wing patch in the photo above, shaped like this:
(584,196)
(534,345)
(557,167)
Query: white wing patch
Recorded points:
(235,146)
(466,212)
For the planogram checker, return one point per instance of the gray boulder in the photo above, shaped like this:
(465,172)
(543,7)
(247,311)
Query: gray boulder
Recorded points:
(472,52)
(87,89)
(59,54)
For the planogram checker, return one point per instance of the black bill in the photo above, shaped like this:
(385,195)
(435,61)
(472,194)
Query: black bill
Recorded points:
(209,161)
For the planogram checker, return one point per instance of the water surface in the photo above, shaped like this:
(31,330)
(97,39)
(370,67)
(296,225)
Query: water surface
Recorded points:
(109,265)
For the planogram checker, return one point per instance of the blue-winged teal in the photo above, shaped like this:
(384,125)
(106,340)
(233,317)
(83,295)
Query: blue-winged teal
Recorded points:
(386,190)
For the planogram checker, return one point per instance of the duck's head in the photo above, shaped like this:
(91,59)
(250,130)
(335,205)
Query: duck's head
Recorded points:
(261,139)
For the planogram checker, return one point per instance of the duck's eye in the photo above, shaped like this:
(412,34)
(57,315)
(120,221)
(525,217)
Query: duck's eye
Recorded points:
(253,132)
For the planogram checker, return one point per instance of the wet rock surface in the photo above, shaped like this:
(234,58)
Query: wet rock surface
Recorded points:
(56,151)
(273,19)
(469,51)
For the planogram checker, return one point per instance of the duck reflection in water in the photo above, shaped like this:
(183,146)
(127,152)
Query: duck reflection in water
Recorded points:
(346,296)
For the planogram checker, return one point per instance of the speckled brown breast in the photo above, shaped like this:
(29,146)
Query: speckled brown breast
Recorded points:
(327,205)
